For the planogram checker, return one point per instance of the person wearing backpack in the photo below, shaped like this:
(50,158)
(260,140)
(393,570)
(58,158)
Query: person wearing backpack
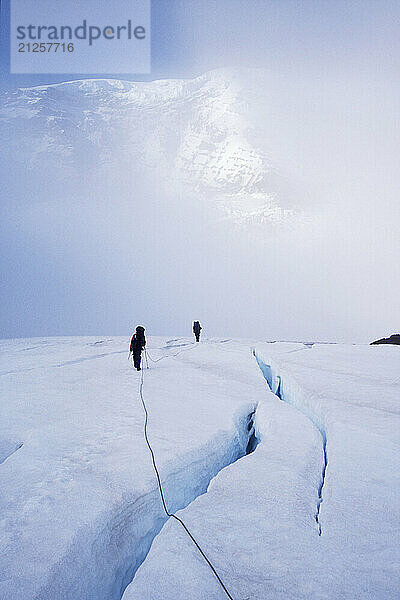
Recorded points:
(196,330)
(138,342)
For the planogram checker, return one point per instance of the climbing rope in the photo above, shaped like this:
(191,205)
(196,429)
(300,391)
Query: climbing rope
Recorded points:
(156,360)
(160,487)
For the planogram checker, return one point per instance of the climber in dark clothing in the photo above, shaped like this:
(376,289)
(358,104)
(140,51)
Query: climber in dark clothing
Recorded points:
(138,342)
(196,330)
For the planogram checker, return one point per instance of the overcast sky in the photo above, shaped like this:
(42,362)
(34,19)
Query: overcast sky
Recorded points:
(189,37)
(332,128)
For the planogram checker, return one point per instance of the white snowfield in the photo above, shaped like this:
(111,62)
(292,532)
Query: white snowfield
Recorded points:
(312,512)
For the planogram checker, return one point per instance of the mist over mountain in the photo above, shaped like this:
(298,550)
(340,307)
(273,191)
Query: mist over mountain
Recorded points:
(195,134)
(249,200)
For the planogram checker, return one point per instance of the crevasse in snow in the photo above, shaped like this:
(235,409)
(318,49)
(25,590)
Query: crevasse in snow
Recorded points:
(279,387)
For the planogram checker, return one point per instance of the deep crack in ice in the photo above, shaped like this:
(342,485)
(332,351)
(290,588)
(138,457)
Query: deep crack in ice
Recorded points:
(252,441)
(277,390)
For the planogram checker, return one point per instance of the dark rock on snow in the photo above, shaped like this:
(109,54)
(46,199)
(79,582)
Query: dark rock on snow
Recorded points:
(393,339)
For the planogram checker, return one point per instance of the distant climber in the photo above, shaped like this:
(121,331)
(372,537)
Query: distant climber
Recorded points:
(196,330)
(138,342)
(393,339)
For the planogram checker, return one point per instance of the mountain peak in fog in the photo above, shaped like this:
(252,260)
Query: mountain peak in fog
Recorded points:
(198,134)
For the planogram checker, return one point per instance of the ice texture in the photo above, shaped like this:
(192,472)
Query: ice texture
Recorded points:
(312,512)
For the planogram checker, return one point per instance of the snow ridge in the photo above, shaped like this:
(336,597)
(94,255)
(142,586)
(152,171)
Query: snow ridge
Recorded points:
(276,385)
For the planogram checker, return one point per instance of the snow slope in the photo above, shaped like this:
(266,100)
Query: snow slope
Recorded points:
(313,512)
(195,134)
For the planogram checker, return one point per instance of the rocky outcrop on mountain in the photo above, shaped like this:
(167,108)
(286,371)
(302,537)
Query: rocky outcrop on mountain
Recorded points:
(393,339)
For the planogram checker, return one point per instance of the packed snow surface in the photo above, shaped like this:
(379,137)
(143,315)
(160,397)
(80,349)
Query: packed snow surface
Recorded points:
(313,512)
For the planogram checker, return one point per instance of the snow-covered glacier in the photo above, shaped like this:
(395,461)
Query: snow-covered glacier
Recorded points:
(312,512)
(198,135)
(80,504)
